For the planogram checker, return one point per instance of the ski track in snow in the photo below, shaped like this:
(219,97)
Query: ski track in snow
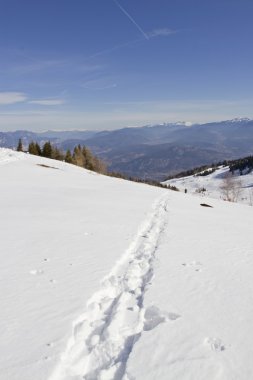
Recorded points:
(103,337)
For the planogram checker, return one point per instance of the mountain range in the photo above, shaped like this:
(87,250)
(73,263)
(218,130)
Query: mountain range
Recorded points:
(153,151)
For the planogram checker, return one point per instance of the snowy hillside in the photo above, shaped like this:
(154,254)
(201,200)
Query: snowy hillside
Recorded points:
(213,185)
(107,279)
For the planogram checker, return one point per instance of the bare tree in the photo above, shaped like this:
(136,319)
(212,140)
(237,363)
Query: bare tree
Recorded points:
(231,188)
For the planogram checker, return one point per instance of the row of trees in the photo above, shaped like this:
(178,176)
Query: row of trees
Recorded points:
(197,171)
(81,155)
(47,150)
(206,172)
(241,164)
(139,180)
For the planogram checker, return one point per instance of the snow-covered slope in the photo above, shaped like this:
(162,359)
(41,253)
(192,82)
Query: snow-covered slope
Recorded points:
(213,184)
(107,279)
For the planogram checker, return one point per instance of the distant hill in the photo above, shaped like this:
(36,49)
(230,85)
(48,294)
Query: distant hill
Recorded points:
(154,151)
(10,139)
(233,180)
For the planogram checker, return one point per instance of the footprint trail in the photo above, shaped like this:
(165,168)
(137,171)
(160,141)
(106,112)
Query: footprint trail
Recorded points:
(103,337)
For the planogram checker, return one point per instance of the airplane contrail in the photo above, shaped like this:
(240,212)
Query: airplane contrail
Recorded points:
(116,47)
(131,19)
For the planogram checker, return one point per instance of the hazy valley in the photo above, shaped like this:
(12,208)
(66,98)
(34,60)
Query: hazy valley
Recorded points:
(153,151)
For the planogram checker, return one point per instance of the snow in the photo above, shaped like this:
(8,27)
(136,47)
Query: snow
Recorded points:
(203,274)
(213,184)
(106,279)
(240,119)
(7,156)
(103,337)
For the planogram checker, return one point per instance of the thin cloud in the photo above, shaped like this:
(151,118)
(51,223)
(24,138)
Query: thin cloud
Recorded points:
(116,47)
(33,66)
(161,32)
(91,86)
(152,34)
(47,102)
(12,97)
(20,64)
(102,83)
(131,19)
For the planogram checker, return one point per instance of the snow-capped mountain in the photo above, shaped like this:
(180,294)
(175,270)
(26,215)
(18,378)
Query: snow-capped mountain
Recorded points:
(240,120)
(108,279)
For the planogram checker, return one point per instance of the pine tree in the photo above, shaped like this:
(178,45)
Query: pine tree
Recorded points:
(78,157)
(68,157)
(89,159)
(33,148)
(38,149)
(99,166)
(20,146)
(57,154)
(47,150)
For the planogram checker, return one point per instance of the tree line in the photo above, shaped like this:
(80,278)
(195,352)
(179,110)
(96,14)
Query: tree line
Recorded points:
(241,164)
(81,155)
(203,170)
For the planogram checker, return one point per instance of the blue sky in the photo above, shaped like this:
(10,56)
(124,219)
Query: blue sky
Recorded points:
(105,64)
